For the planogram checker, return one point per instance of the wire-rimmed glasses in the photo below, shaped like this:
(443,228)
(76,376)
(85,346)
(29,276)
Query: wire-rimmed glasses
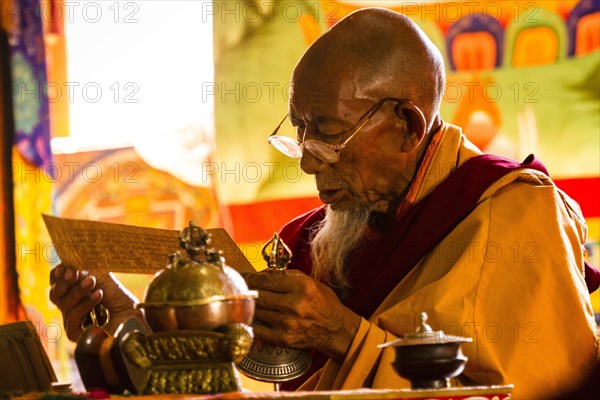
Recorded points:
(329,153)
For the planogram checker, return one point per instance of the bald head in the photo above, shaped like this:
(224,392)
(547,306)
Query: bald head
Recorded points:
(377,53)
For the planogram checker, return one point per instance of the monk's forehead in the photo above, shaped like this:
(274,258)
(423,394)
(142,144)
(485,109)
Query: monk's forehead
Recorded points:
(332,65)
(334,82)
(320,80)
(326,76)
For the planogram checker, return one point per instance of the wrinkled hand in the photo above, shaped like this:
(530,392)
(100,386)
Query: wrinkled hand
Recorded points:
(302,313)
(76,293)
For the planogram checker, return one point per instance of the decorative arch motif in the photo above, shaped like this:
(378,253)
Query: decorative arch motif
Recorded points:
(583,25)
(536,40)
(475,42)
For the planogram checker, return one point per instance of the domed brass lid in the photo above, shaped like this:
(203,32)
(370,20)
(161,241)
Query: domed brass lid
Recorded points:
(425,335)
(197,278)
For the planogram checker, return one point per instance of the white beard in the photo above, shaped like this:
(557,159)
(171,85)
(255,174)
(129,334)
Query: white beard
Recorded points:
(333,239)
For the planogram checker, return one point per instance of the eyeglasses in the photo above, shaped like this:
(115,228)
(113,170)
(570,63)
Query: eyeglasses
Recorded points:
(325,152)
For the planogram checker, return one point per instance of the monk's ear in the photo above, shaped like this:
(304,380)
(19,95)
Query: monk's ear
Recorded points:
(415,124)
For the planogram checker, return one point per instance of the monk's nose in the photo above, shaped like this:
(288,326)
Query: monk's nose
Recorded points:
(311,164)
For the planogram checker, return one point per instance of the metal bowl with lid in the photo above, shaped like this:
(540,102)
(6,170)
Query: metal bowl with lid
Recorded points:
(197,290)
(428,358)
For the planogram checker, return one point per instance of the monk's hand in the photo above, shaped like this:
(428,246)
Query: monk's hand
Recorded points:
(302,313)
(76,293)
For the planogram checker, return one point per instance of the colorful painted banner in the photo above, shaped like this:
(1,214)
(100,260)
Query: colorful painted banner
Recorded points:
(29,83)
(522,77)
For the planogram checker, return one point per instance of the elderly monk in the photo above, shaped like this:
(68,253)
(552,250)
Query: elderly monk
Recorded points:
(415,219)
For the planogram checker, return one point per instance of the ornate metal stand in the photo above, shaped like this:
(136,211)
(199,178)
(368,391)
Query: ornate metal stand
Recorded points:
(187,361)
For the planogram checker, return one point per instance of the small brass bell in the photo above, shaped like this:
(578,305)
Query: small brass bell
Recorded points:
(266,362)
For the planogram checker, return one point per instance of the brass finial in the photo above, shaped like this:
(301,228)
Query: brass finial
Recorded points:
(423,326)
(278,256)
(194,240)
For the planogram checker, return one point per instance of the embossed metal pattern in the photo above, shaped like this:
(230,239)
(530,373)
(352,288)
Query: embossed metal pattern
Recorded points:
(275,364)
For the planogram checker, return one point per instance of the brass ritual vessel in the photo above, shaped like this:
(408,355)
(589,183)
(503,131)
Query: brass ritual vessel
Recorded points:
(197,290)
(200,312)
(266,362)
(428,358)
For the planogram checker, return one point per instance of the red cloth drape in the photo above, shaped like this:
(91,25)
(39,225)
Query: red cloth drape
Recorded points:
(11,308)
